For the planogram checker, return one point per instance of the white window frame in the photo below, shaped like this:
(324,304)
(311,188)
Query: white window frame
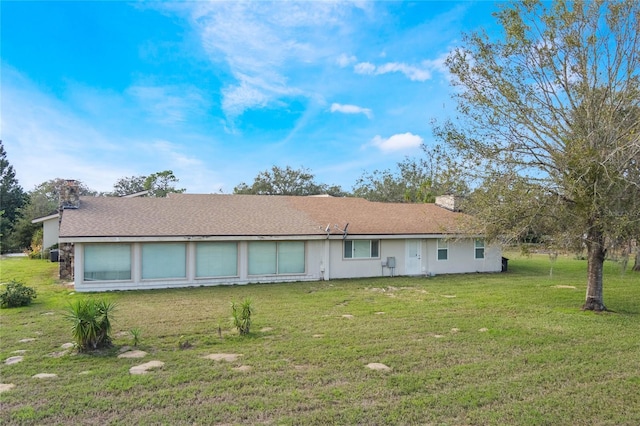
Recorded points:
(478,247)
(443,248)
(350,249)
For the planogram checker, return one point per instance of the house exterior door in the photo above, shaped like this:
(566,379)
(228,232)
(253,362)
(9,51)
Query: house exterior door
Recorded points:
(413,262)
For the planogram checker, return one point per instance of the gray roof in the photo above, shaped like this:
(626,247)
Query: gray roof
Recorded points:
(251,215)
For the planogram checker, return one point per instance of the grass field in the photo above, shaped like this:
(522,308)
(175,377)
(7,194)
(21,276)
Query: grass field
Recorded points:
(510,348)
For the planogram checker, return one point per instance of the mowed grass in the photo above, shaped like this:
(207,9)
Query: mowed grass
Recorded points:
(476,349)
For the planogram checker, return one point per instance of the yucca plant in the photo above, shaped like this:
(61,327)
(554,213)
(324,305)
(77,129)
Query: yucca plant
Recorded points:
(242,316)
(91,323)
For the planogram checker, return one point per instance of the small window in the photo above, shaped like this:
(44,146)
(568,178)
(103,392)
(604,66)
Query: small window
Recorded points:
(479,248)
(443,250)
(361,249)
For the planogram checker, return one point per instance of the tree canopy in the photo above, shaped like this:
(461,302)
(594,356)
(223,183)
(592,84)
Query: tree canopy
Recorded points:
(547,125)
(415,180)
(12,198)
(287,181)
(158,184)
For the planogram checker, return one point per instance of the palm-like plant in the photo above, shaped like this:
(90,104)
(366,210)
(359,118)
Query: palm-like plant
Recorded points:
(91,323)
(242,316)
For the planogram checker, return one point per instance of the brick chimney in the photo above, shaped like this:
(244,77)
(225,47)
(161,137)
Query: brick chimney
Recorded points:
(449,202)
(69,199)
(69,195)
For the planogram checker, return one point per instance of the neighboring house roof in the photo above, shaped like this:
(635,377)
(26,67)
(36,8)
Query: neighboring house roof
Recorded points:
(251,215)
(45,218)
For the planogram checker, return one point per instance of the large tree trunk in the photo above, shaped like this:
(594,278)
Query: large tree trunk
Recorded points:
(596,252)
(636,266)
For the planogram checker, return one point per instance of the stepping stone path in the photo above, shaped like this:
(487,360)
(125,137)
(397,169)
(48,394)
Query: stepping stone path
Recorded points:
(133,354)
(68,346)
(144,368)
(223,357)
(378,366)
(44,376)
(14,360)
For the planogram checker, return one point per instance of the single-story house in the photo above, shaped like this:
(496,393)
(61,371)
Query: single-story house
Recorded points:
(109,243)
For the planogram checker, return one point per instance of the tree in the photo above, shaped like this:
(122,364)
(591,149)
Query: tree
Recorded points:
(158,184)
(43,200)
(287,181)
(128,185)
(545,124)
(416,180)
(12,198)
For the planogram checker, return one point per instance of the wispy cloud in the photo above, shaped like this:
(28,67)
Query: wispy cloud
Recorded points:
(351,109)
(168,104)
(397,142)
(413,73)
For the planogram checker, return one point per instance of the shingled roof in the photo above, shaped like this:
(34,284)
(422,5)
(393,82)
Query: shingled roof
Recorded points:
(251,215)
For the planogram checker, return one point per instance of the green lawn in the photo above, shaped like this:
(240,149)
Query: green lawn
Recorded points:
(511,348)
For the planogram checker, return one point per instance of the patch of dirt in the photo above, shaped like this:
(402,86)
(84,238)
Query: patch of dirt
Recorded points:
(44,376)
(378,366)
(6,387)
(144,368)
(133,354)
(223,357)
(242,368)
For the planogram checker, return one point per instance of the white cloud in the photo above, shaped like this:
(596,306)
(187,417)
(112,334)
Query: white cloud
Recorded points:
(413,73)
(351,109)
(262,42)
(344,60)
(168,104)
(397,142)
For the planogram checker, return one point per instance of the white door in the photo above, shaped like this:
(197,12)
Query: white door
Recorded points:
(413,262)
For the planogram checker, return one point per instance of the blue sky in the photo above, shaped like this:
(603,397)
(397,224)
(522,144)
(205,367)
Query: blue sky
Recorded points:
(219,91)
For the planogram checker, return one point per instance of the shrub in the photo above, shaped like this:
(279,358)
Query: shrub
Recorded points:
(91,323)
(242,316)
(16,294)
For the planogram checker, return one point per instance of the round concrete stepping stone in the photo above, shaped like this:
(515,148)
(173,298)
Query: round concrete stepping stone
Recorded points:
(133,354)
(144,368)
(483,330)
(266,329)
(348,316)
(317,336)
(438,336)
(455,330)
(68,346)
(380,313)
(450,296)
(44,376)
(223,357)
(20,351)
(6,387)
(14,360)
(242,368)
(28,339)
(378,366)
(83,373)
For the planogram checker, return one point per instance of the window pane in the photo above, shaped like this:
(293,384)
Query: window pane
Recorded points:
(479,243)
(291,257)
(262,258)
(107,262)
(479,253)
(348,249)
(164,260)
(374,248)
(361,248)
(443,254)
(216,259)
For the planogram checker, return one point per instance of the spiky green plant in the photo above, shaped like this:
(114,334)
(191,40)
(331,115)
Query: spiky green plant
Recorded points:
(91,323)
(135,334)
(242,316)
